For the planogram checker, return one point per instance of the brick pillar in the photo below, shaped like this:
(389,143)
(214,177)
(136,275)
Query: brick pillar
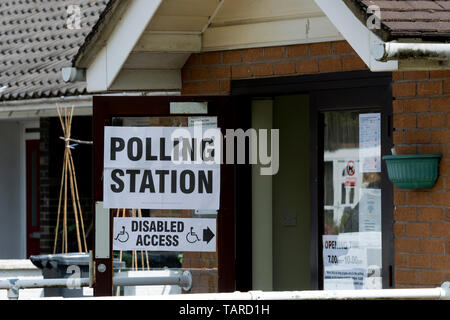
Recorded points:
(421,109)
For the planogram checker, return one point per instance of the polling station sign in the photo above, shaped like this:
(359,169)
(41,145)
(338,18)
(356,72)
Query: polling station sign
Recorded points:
(165,234)
(161,168)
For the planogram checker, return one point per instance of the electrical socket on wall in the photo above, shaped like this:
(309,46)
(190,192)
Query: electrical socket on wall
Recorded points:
(289,219)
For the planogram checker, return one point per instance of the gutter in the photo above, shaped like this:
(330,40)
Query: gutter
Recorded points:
(44,107)
(387,51)
(83,101)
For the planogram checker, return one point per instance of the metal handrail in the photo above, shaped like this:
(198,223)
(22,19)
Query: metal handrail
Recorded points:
(185,281)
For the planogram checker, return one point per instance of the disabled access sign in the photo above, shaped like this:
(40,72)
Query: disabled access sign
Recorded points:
(165,234)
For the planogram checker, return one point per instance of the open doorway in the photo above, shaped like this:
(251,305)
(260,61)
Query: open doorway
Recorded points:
(33,199)
(280,203)
(299,107)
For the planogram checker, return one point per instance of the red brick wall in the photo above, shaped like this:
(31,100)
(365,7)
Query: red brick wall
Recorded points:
(203,266)
(421,109)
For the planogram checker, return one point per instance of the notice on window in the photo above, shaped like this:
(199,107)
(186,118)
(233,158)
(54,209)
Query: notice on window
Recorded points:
(345,263)
(370,210)
(161,168)
(205,122)
(370,142)
(352,261)
(351,174)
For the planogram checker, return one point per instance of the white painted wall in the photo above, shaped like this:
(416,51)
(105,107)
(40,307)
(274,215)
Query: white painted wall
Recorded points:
(280,203)
(12,239)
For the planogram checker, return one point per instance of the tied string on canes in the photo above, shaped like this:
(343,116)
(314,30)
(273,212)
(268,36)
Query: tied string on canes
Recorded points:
(72,146)
(69,179)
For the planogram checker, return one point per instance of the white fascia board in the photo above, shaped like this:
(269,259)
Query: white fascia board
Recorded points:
(170,43)
(356,33)
(129,28)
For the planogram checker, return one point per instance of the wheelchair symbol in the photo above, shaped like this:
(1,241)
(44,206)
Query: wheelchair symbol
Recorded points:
(192,237)
(122,236)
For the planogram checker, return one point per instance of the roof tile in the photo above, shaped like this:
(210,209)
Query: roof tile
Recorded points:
(428,19)
(425,5)
(444,4)
(35,43)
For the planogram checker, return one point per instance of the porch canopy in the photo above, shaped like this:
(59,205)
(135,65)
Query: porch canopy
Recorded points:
(142,45)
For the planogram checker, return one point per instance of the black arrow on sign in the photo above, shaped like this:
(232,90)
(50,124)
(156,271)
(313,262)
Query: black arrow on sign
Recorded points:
(207,235)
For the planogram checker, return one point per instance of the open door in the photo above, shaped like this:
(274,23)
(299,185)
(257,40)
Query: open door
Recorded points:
(32,196)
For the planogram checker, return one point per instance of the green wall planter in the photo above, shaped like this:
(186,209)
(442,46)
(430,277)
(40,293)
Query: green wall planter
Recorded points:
(413,171)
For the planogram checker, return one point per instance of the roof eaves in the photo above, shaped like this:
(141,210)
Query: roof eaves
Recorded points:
(359,9)
(413,20)
(100,31)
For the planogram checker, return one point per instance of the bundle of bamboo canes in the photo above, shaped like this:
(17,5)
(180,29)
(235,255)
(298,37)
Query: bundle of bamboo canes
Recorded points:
(134,260)
(68,178)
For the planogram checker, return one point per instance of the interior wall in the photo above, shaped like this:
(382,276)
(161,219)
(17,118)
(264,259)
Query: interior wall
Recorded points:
(291,267)
(262,255)
(280,203)
(11,233)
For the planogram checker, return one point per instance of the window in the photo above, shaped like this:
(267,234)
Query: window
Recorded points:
(352,201)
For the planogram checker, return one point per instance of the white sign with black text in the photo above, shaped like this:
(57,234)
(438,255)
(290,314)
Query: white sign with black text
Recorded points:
(342,261)
(165,234)
(370,142)
(161,168)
